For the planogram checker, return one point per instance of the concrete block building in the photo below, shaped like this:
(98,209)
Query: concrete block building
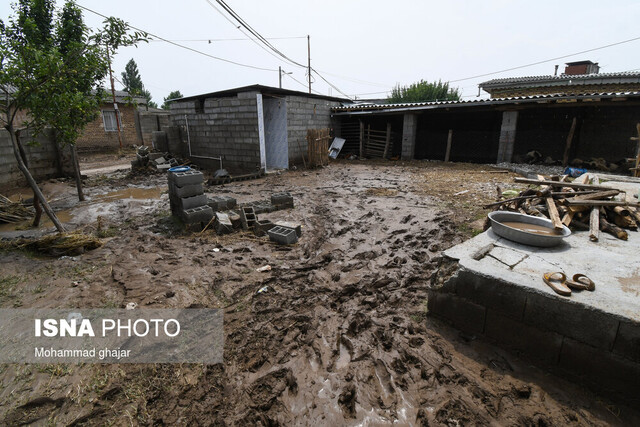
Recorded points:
(250,128)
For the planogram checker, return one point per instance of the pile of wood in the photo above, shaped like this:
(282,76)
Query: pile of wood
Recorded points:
(576,204)
(13,211)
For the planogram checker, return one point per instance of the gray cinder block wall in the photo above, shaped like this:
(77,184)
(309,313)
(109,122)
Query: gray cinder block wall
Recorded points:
(42,157)
(226,127)
(303,114)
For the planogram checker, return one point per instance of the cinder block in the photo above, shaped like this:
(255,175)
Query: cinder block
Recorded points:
(283,236)
(222,203)
(601,369)
(180,179)
(628,341)
(185,203)
(163,167)
(292,225)
(262,226)
(154,156)
(491,293)
(235,219)
(593,327)
(223,223)
(195,215)
(186,191)
(248,217)
(464,314)
(282,200)
(536,343)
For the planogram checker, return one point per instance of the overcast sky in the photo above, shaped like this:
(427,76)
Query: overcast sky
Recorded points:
(367,46)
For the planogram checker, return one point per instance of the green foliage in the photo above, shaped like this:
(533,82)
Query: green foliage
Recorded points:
(53,67)
(172,95)
(424,91)
(133,83)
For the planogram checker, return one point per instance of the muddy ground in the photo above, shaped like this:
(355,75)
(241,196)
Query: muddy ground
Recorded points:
(340,337)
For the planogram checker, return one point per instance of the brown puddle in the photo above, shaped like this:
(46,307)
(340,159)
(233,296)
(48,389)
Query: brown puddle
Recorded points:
(532,228)
(65,215)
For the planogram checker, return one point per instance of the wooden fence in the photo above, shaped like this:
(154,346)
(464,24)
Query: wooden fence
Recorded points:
(318,147)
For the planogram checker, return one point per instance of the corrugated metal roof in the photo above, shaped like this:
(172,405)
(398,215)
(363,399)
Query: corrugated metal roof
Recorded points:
(479,102)
(561,77)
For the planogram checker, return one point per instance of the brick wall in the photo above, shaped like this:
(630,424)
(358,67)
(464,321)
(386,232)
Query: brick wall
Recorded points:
(568,89)
(41,156)
(302,114)
(95,138)
(222,127)
(149,122)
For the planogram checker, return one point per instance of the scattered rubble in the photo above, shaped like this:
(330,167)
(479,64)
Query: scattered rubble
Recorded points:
(578,204)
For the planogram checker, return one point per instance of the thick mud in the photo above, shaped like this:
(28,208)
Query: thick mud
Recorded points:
(341,336)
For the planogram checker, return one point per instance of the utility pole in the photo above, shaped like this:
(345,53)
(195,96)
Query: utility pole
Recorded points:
(280,77)
(309,59)
(113,94)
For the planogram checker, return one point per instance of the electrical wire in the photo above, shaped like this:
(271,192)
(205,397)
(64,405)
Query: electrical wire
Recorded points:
(233,40)
(186,47)
(547,60)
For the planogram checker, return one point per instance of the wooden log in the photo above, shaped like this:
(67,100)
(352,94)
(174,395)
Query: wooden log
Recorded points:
(553,213)
(612,229)
(594,224)
(634,213)
(622,218)
(560,184)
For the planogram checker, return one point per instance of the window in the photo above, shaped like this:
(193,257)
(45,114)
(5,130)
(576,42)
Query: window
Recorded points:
(109,119)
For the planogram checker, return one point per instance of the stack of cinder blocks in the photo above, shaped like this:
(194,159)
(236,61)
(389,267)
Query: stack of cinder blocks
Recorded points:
(186,197)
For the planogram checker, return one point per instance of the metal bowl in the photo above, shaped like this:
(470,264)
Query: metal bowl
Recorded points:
(498,217)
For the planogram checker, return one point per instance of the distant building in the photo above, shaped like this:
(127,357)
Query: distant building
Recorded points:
(251,128)
(579,78)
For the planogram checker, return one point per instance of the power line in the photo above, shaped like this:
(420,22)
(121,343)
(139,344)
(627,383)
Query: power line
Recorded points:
(547,60)
(233,40)
(185,47)
(255,33)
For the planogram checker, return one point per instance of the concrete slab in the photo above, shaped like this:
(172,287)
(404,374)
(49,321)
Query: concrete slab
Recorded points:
(609,263)
(498,292)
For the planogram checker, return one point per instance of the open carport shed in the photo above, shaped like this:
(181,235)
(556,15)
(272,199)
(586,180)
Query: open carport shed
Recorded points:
(500,130)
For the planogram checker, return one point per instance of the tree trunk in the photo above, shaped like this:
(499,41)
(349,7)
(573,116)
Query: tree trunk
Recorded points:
(17,148)
(76,169)
(36,206)
(25,159)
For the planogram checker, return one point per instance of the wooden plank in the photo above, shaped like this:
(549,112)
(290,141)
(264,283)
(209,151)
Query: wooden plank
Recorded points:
(594,224)
(449,138)
(573,202)
(559,184)
(565,157)
(553,213)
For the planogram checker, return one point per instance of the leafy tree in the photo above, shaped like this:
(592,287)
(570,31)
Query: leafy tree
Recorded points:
(133,82)
(172,95)
(53,69)
(424,91)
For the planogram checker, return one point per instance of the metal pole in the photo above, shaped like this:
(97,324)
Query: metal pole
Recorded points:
(280,76)
(309,59)
(115,104)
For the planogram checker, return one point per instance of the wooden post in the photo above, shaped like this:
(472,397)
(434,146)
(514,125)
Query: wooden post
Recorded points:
(594,224)
(636,172)
(565,157)
(449,138)
(361,139)
(387,142)
(367,141)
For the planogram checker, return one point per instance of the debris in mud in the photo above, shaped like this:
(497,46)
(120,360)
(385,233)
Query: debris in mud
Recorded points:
(74,243)
(147,162)
(13,211)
